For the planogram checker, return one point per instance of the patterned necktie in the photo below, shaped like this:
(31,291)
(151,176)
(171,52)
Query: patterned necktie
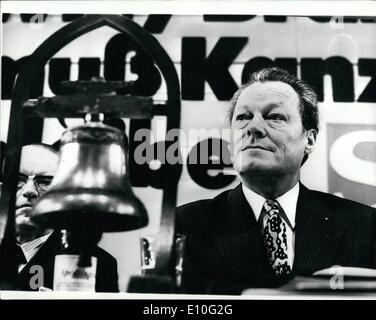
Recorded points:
(275,239)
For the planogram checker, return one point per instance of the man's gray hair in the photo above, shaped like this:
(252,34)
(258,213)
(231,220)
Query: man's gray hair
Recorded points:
(308,98)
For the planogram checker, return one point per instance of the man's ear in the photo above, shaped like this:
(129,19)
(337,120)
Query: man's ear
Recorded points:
(311,136)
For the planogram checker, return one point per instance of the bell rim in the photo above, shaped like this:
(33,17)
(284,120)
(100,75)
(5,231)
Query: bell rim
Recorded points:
(71,213)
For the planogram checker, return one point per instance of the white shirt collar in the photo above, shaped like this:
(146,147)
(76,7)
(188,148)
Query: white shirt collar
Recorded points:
(30,248)
(288,202)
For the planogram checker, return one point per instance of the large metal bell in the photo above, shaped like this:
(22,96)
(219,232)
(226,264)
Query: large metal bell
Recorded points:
(91,188)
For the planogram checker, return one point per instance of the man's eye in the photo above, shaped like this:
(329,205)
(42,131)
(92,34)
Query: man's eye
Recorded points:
(21,181)
(20,184)
(276,116)
(43,181)
(242,116)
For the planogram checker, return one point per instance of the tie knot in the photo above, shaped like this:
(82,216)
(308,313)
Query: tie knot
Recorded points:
(271,207)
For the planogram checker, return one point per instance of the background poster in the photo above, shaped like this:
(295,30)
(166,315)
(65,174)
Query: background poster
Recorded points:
(213,54)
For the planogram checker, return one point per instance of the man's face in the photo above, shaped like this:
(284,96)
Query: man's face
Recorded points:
(37,167)
(268,135)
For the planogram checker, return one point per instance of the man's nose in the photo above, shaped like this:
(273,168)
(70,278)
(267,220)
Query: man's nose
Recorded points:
(29,190)
(256,127)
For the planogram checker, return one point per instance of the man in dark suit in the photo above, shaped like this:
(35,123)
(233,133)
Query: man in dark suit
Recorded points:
(37,246)
(271,227)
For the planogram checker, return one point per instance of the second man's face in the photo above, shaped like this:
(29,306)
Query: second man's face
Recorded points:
(37,167)
(268,135)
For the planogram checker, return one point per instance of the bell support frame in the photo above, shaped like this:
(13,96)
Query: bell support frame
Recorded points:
(21,93)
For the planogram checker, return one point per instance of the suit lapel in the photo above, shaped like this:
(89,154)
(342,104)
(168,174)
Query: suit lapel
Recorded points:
(317,236)
(236,236)
(45,258)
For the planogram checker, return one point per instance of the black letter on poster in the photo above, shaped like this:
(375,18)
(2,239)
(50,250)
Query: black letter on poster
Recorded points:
(341,72)
(59,71)
(88,68)
(156,23)
(197,68)
(10,69)
(141,174)
(149,79)
(206,163)
(367,67)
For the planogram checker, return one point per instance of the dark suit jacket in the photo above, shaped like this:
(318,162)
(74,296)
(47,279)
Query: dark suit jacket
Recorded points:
(106,276)
(225,253)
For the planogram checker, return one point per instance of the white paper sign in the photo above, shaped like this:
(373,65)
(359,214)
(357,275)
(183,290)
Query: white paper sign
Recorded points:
(69,277)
